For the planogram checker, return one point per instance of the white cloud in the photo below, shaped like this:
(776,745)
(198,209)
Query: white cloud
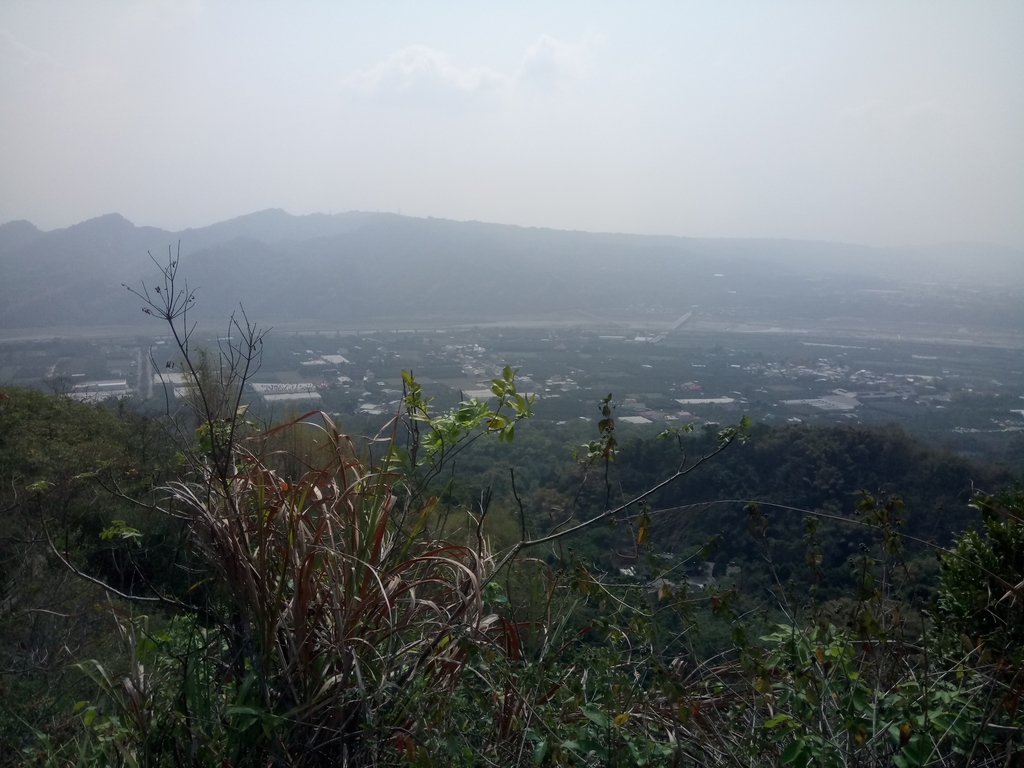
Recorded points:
(554,63)
(418,65)
(547,63)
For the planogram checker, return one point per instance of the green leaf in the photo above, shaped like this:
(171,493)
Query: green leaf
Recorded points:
(119,529)
(795,754)
(540,751)
(915,752)
(144,647)
(596,716)
(231,711)
(860,700)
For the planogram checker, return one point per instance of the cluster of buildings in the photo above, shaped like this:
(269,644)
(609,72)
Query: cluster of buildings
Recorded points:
(303,392)
(98,391)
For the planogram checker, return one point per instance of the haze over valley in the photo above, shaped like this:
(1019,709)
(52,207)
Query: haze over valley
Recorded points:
(678,329)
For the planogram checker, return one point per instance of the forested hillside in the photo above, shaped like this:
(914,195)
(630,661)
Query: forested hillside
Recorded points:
(175,593)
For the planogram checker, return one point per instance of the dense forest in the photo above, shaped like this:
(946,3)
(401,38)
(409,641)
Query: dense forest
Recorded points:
(459,588)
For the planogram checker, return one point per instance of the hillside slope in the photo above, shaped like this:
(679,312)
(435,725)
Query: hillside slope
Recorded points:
(356,267)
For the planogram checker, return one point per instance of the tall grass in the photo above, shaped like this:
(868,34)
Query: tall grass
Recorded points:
(332,604)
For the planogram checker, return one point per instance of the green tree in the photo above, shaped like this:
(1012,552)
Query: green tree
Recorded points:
(981,593)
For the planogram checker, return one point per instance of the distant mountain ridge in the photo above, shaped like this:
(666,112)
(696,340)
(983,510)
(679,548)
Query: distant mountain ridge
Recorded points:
(355,266)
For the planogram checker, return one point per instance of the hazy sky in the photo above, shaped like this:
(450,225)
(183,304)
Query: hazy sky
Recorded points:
(888,123)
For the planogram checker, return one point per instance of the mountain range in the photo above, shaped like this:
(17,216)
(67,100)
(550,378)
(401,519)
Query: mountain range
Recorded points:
(357,268)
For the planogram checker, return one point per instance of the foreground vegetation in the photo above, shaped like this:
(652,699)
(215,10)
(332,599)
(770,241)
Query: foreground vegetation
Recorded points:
(206,590)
